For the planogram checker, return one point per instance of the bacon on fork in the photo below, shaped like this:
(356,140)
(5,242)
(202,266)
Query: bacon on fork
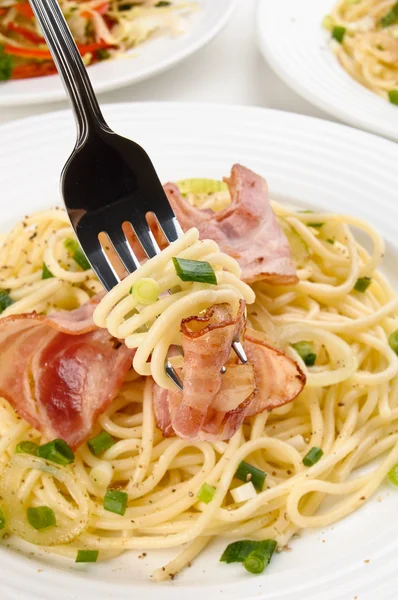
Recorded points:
(60,372)
(213,405)
(247,229)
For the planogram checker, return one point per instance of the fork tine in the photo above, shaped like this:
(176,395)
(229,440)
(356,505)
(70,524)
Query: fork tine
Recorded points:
(123,249)
(171,228)
(100,263)
(145,237)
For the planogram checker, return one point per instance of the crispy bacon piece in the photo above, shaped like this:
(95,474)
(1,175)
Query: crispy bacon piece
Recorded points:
(60,371)
(213,406)
(246,230)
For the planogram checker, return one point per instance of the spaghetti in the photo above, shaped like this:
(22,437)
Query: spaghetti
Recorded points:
(365,41)
(348,410)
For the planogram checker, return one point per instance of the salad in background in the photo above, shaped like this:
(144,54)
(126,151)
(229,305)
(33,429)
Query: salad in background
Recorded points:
(102,29)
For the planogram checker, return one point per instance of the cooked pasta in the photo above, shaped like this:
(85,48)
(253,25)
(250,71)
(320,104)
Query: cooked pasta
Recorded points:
(365,40)
(102,29)
(342,306)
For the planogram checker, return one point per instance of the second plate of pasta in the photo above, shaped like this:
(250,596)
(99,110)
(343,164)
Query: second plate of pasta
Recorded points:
(340,55)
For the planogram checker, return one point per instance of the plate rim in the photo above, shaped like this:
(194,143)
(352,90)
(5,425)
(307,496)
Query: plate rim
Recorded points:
(263,10)
(169,591)
(164,65)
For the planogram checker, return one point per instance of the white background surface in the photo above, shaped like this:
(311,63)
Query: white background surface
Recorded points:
(229,70)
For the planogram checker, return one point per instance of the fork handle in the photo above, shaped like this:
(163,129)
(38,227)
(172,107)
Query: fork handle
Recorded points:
(70,66)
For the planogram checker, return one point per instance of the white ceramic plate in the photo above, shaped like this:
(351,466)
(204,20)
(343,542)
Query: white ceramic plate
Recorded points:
(291,37)
(154,56)
(311,162)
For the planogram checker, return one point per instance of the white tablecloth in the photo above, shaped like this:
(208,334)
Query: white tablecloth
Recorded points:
(229,70)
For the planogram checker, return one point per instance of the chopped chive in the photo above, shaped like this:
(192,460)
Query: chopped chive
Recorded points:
(5,300)
(316,225)
(57,451)
(195,270)
(46,273)
(330,241)
(393,97)
(328,22)
(393,341)
(87,556)
(393,475)
(115,501)
(41,517)
(362,284)
(27,448)
(2,520)
(77,253)
(145,291)
(338,33)
(206,493)
(6,64)
(239,551)
(246,472)
(312,456)
(162,3)
(100,443)
(254,563)
(103,54)
(390,17)
(305,351)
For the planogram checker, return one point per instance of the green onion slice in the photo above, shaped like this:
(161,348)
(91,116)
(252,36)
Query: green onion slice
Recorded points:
(195,270)
(393,341)
(393,97)
(246,472)
(77,253)
(115,501)
(316,225)
(362,284)
(390,17)
(239,551)
(206,493)
(338,33)
(57,451)
(162,3)
(5,300)
(2,520)
(393,475)
(87,556)
(145,291)
(330,241)
(27,448)
(41,517)
(201,186)
(305,351)
(100,443)
(255,562)
(312,456)
(46,273)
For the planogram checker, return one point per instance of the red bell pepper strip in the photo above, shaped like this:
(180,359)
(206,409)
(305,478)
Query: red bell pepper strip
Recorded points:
(24,9)
(28,34)
(44,54)
(35,69)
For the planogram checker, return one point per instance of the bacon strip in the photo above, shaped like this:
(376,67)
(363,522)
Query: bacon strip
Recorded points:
(213,406)
(60,372)
(246,230)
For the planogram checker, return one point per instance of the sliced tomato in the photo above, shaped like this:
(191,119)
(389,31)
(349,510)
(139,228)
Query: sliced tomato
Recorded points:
(28,34)
(24,9)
